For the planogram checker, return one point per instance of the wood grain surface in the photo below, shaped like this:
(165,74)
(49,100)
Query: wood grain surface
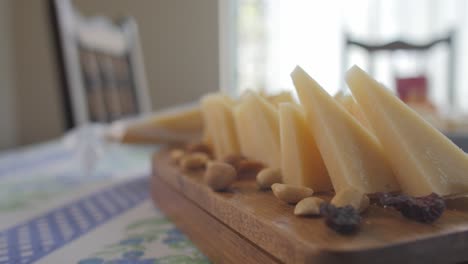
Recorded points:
(216,240)
(262,220)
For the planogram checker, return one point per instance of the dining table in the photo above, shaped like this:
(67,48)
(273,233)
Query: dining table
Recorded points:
(82,199)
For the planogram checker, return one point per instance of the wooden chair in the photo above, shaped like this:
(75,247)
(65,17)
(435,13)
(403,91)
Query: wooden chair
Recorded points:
(102,70)
(373,48)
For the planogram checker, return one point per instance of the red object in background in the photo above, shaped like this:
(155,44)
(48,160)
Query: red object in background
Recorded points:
(412,89)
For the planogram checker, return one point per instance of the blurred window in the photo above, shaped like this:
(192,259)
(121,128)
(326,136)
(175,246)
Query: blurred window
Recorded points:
(274,36)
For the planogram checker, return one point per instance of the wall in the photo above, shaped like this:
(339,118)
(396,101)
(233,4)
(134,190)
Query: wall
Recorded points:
(180,48)
(180,44)
(7,102)
(38,103)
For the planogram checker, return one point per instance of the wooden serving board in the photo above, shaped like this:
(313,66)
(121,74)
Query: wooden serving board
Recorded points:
(245,225)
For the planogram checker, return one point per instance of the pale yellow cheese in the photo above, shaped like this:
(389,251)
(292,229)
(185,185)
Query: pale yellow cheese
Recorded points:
(282,97)
(348,102)
(180,124)
(220,129)
(423,159)
(257,128)
(301,162)
(351,154)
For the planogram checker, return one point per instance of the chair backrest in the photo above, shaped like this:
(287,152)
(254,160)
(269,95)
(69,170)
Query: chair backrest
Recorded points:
(102,67)
(372,48)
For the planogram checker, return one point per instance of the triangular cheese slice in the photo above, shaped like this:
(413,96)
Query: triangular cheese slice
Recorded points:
(257,128)
(348,102)
(423,159)
(301,162)
(219,124)
(351,154)
(282,97)
(180,124)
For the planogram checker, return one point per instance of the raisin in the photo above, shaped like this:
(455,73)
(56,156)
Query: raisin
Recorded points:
(247,167)
(234,160)
(424,209)
(344,220)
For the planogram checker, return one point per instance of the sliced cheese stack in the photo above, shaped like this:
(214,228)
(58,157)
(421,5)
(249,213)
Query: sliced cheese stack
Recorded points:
(423,159)
(301,163)
(352,156)
(220,129)
(257,128)
(348,102)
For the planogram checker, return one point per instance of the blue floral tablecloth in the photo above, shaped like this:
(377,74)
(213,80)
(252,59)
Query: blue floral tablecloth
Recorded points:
(66,204)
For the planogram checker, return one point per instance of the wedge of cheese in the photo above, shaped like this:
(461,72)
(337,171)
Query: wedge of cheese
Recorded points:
(423,159)
(348,102)
(351,154)
(301,162)
(257,128)
(179,124)
(220,129)
(282,97)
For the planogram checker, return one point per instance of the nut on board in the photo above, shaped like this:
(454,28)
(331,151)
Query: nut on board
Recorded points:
(194,161)
(289,193)
(219,175)
(268,177)
(308,206)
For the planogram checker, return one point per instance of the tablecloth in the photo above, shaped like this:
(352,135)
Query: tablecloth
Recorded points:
(55,209)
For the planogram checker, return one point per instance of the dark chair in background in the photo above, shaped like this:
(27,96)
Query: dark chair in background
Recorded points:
(103,75)
(398,45)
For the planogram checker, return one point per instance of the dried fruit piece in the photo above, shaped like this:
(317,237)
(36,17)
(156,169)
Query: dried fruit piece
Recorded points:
(344,220)
(353,197)
(424,209)
(308,206)
(219,175)
(176,155)
(290,193)
(365,202)
(194,161)
(234,160)
(200,147)
(248,167)
(268,177)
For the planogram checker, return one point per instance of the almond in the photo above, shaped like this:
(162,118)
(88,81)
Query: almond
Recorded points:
(308,206)
(194,161)
(219,175)
(267,177)
(291,194)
